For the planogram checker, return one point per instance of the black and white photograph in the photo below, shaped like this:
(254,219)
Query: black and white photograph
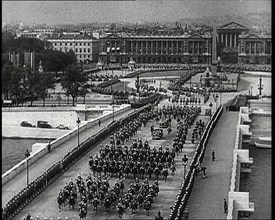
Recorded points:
(136,109)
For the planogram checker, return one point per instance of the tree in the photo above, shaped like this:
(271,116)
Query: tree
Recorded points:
(6,79)
(74,81)
(45,82)
(17,91)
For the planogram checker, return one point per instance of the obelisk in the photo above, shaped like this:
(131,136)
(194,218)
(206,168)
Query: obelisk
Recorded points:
(214,51)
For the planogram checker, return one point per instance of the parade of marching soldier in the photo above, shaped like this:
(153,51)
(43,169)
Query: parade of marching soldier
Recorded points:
(155,110)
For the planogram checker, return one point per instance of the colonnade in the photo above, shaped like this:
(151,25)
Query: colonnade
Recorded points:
(229,39)
(253,47)
(168,47)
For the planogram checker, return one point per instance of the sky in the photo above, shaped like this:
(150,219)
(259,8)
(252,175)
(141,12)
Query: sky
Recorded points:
(69,12)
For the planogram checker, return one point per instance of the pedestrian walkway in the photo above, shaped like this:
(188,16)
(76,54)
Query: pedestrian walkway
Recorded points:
(206,200)
(41,165)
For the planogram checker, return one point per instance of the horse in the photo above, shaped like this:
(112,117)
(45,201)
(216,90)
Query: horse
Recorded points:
(165,174)
(82,213)
(157,173)
(173,168)
(140,200)
(95,203)
(134,206)
(60,201)
(90,196)
(107,204)
(142,171)
(120,210)
(147,206)
(101,197)
(200,169)
(127,170)
(71,202)
(150,171)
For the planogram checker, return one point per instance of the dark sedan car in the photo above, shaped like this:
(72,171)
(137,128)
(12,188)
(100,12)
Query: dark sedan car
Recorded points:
(26,124)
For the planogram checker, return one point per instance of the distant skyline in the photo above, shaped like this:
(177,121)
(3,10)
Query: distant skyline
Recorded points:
(71,12)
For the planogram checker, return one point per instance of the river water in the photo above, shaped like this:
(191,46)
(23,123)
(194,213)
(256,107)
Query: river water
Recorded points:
(258,182)
(13,150)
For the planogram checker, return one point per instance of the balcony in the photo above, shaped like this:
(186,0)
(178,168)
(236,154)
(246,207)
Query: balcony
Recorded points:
(245,213)
(246,166)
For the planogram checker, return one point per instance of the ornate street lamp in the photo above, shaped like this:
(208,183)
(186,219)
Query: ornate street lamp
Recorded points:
(27,154)
(78,123)
(216,99)
(210,105)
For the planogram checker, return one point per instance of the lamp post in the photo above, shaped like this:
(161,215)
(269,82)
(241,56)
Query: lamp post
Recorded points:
(216,99)
(27,154)
(78,123)
(113,102)
(184,163)
(210,105)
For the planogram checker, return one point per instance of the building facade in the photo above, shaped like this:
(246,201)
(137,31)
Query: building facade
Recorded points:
(229,33)
(22,59)
(118,48)
(85,46)
(254,49)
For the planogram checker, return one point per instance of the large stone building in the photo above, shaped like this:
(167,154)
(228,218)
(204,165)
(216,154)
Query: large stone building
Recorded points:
(184,48)
(254,49)
(85,46)
(229,33)
(118,48)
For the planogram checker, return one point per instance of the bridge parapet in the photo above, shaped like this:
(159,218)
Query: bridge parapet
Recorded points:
(238,202)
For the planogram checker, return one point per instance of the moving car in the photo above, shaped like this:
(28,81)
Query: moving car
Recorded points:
(157,134)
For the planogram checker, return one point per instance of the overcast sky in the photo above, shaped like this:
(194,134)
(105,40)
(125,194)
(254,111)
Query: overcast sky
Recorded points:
(58,12)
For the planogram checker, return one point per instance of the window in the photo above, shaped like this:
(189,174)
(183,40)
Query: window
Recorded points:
(71,44)
(76,44)
(76,50)
(84,50)
(84,44)
(88,50)
(80,51)
(80,44)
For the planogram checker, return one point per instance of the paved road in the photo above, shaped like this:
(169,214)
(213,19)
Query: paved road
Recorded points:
(18,182)
(206,200)
(168,190)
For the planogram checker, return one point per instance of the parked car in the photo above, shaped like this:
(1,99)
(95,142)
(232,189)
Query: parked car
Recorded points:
(26,124)
(63,127)
(43,124)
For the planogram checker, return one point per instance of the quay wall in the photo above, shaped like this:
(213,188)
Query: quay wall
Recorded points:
(8,175)
(238,202)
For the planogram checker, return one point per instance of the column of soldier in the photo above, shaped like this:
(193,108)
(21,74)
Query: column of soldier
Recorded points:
(21,199)
(138,160)
(192,99)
